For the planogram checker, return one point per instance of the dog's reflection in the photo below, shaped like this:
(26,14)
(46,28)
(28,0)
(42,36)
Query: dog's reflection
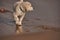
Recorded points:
(19,29)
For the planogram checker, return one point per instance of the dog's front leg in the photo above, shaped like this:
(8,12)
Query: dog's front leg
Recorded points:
(21,19)
(19,28)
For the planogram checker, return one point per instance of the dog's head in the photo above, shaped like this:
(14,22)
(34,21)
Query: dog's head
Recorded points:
(26,6)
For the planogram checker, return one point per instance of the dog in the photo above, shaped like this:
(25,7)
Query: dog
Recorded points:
(20,9)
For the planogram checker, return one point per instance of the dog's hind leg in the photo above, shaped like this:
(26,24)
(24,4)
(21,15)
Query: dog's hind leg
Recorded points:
(16,19)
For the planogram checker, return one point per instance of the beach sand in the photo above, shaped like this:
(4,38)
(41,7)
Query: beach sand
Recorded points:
(48,35)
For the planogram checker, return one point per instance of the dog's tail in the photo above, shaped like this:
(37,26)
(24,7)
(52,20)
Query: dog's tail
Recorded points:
(21,0)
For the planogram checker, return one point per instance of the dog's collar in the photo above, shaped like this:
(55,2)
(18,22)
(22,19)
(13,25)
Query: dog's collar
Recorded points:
(23,10)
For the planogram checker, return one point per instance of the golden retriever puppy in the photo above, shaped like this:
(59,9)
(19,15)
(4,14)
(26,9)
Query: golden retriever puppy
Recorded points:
(20,9)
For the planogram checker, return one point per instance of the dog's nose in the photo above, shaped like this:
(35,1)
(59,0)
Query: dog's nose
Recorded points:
(32,8)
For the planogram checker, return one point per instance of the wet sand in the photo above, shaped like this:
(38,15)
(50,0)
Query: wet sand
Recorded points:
(49,35)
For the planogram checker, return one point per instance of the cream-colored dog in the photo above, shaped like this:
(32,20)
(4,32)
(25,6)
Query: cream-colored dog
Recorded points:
(20,9)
